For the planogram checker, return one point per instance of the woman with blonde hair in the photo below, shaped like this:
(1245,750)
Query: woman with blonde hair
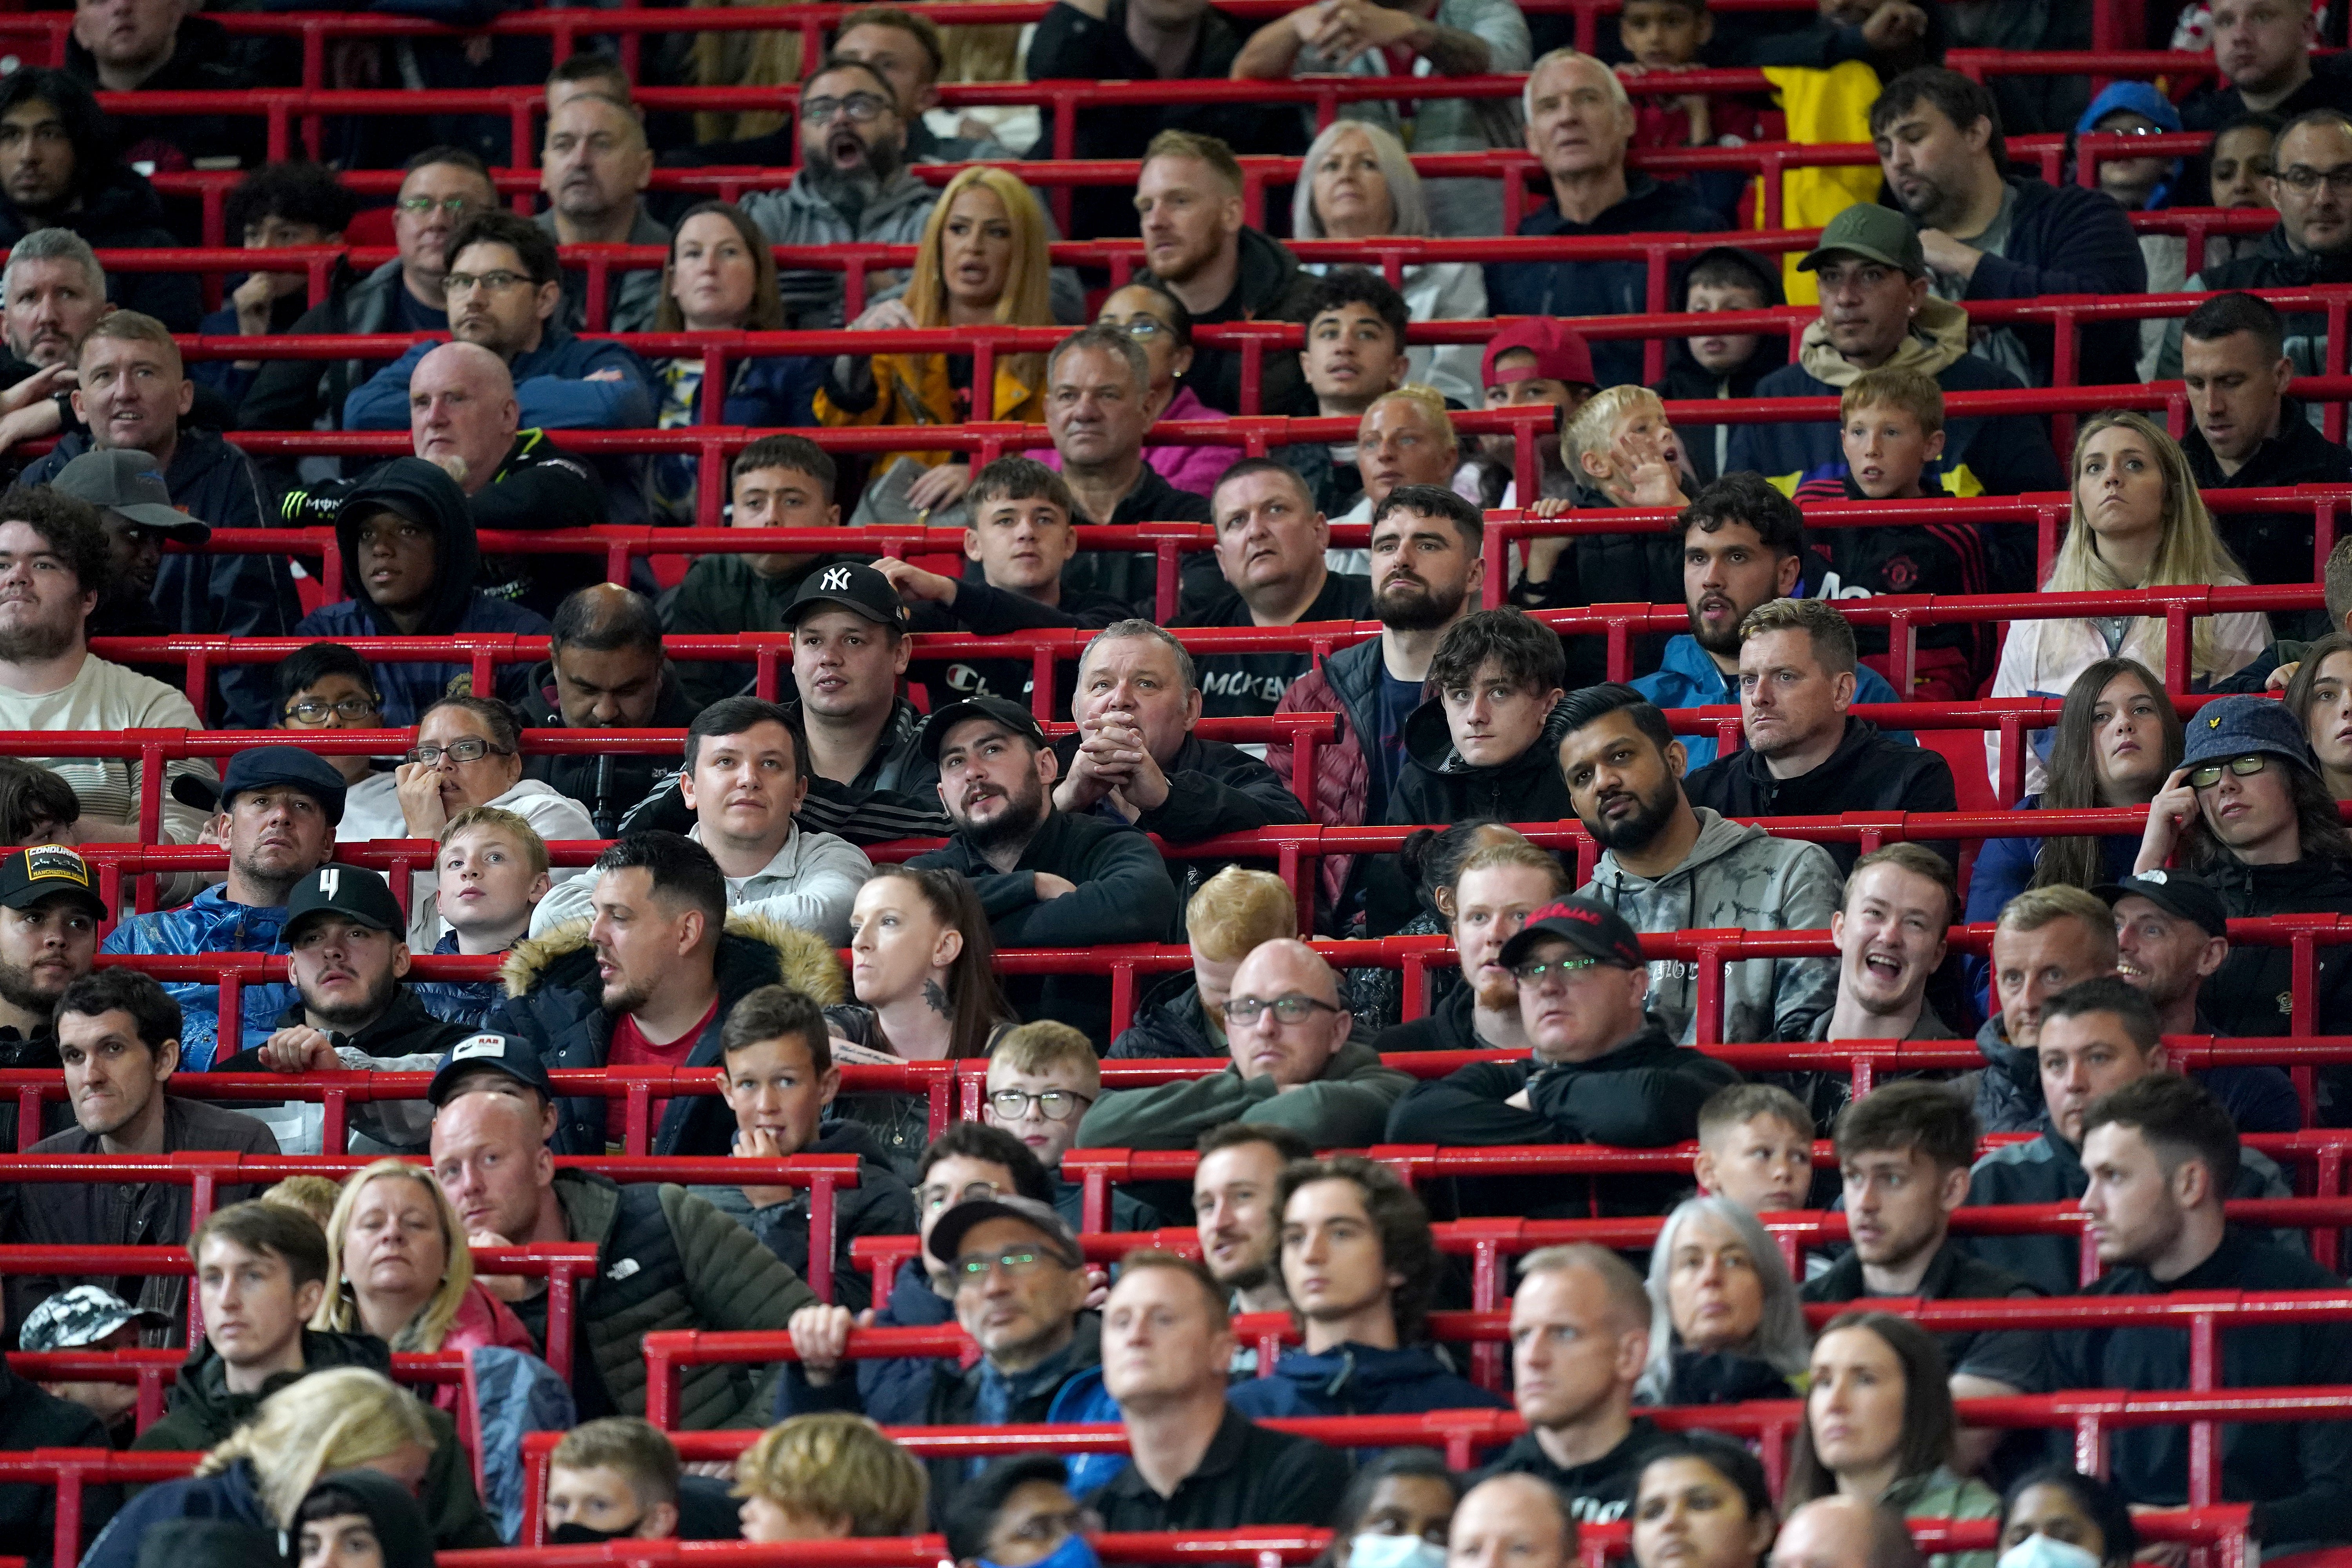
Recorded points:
(2138,522)
(1359,184)
(337,1418)
(830,1476)
(398,1267)
(983,261)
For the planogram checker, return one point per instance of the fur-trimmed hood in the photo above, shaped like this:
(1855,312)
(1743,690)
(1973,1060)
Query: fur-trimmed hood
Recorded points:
(808,961)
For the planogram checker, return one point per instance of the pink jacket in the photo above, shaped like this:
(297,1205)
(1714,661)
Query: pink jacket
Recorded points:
(1194,468)
(482,1320)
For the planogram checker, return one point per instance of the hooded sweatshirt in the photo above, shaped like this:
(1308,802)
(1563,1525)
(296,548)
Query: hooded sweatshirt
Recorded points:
(1686,379)
(1269,287)
(1736,875)
(401,1533)
(1868,771)
(1438,786)
(2005,455)
(1350,1379)
(416,490)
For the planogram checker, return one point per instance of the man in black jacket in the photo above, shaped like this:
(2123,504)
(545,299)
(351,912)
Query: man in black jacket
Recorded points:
(1807,755)
(1047,877)
(1488,744)
(2262,53)
(48,940)
(2162,1155)
(605,671)
(1992,234)
(1097,410)
(160,45)
(1602,1073)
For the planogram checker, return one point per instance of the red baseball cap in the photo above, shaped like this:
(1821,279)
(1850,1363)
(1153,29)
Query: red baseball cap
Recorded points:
(1559,351)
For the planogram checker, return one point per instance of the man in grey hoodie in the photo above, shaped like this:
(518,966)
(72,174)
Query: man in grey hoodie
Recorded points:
(1667,865)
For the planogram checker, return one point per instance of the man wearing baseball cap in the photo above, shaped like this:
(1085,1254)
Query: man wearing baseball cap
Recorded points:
(48,936)
(1048,878)
(94,1318)
(346,954)
(1530,362)
(281,804)
(1878,311)
(866,757)
(137,514)
(2248,809)
(1603,1072)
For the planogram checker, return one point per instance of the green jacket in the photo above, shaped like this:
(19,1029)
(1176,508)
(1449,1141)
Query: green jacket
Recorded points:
(203,1412)
(669,1260)
(1939,1494)
(1345,1108)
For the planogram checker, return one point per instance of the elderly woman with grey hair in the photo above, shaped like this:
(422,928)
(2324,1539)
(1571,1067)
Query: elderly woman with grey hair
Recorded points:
(1727,1324)
(1359,185)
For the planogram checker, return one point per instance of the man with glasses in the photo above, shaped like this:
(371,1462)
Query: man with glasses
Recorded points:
(504,286)
(1601,1071)
(1293,1065)
(853,187)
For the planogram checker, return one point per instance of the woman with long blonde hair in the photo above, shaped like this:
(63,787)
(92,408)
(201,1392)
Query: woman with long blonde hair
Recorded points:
(398,1267)
(337,1418)
(2138,522)
(983,261)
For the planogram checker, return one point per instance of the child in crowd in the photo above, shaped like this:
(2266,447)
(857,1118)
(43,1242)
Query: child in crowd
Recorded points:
(1756,1148)
(492,871)
(1893,434)
(1041,1076)
(312,1195)
(609,1479)
(36,807)
(1667,35)
(779,1076)
(829,1475)
(1721,364)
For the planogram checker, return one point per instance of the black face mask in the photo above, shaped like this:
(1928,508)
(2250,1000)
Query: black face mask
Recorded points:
(571,1533)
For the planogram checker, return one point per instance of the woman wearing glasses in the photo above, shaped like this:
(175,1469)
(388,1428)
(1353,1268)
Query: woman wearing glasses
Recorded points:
(981,262)
(1162,328)
(2248,810)
(468,752)
(2138,522)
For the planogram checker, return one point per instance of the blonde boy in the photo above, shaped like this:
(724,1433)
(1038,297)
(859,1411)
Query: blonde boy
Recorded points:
(1041,1079)
(491,873)
(609,1479)
(1892,426)
(1621,445)
(829,1475)
(1756,1148)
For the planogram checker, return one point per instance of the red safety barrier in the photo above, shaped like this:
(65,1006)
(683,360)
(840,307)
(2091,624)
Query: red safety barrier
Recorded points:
(206,1171)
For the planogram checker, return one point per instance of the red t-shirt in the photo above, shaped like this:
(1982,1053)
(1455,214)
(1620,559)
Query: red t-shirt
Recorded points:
(631,1049)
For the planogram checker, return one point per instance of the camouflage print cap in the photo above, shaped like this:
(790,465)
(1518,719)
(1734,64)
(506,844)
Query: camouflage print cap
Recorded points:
(80,1316)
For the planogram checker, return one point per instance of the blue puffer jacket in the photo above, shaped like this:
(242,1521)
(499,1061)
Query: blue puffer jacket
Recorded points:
(210,923)
(1359,1380)
(1689,679)
(467,1001)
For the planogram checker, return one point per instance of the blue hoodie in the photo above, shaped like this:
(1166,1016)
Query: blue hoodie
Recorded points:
(551,384)
(1351,1379)
(2138,97)
(1689,679)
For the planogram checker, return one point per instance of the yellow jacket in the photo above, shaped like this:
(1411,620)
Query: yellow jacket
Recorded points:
(914,389)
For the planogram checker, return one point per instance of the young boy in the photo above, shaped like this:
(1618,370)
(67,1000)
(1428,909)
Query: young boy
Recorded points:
(1041,1076)
(490,872)
(1892,429)
(1722,364)
(612,1479)
(1020,536)
(1355,352)
(778,481)
(778,1077)
(1756,1148)
(1667,35)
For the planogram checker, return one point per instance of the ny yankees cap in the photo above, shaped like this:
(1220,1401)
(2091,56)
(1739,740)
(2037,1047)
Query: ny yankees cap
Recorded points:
(847,585)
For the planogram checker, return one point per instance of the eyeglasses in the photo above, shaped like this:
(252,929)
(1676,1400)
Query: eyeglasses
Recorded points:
(1292,1007)
(939,1198)
(974,1266)
(1542,972)
(312,711)
(863,107)
(1053,1104)
(2244,767)
(1142,329)
(417,206)
(457,751)
(2305,181)
(496,282)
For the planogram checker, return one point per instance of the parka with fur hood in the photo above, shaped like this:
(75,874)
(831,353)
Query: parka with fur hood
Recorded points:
(416,490)
(554,1001)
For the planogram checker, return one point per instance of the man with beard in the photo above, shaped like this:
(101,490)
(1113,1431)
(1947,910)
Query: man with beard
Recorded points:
(58,168)
(596,166)
(1240,1223)
(1667,865)
(345,954)
(279,805)
(50,914)
(1047,877)
(605,671)
(853,186)
(1743,546)
(1427,555)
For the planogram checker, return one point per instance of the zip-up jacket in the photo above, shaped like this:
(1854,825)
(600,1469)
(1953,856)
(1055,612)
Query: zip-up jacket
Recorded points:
(1689,679)
(210,923)
(1344,1108)
(1347,684)
(2272,548)
(797,215)
(1353,1379)
(553,385)
(1868,771)
(2250,995)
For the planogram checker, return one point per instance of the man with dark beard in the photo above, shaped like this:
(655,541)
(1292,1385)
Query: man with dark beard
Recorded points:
(50,912)
(1047,877)
(1427,553)
(345,954)
(853,186)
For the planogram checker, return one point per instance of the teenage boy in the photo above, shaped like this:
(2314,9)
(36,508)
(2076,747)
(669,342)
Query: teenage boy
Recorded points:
(777,482)
(778,1074)
(1355,352)
(1488,741)
(612,1479)
(1756,1148)
(1892,430)
(1019,537)
(491,874)
(1668,35)
(1041,1076)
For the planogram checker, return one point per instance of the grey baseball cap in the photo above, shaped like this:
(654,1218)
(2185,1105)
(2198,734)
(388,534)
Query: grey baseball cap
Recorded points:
(948,1234)
(131,483)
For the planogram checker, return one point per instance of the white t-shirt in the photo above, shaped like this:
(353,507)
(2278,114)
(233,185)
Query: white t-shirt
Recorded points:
(103,698)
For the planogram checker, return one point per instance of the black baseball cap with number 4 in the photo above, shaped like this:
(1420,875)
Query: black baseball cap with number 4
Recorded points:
(47,871)
(845,585)
(354,892)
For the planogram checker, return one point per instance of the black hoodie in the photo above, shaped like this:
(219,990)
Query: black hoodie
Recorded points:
(1437,786)
(1685,378)
(2273,547)
(1866,773)
(1270,288)
(2248,996)
(402,1536)
(119,212)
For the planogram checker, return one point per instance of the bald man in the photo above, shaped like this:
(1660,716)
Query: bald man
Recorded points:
(1296,1064)
(1511,1521)
(594,168)
(1842,1532)
(463,418)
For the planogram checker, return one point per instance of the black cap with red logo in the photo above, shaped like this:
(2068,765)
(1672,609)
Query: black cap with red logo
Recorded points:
(1590,927)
